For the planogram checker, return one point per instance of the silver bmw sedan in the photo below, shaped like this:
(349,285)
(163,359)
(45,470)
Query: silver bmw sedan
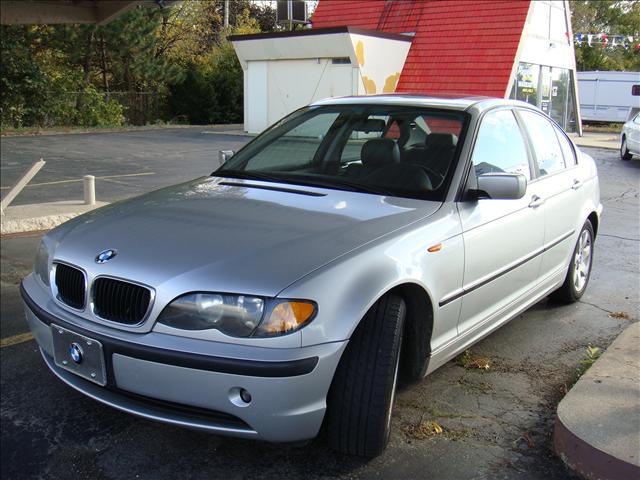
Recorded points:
(355,242)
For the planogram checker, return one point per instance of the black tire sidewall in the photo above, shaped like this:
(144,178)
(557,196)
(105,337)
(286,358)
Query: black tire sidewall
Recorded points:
(624,151)
(366,371)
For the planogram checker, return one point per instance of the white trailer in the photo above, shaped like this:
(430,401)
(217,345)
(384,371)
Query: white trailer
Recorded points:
(609,96)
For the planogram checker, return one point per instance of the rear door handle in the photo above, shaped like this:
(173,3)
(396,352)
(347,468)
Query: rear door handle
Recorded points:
(576,184)
(536,201)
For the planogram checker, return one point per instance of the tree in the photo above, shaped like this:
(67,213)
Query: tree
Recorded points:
(212,89)
(613,17)
(92,74)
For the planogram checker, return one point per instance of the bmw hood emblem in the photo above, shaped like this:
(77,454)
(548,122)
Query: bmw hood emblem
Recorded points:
(106,255)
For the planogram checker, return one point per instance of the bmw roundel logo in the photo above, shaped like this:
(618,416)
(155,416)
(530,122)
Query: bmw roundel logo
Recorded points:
(75,352)
(106,255)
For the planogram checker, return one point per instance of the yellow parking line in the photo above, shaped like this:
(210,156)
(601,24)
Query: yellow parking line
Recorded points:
(16,339)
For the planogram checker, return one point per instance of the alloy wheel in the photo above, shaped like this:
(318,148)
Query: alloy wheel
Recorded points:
(582,261)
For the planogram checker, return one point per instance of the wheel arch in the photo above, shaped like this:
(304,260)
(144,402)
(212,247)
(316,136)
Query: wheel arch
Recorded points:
(593,218)
(416,344)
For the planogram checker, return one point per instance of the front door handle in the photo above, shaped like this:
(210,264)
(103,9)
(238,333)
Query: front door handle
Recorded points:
(576,184)
(536,201)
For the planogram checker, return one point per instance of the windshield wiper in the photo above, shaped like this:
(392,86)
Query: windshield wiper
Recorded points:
(338,183)
(246,175)
(335,183)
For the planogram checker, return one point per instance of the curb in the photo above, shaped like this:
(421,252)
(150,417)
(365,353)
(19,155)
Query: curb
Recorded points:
(10,227)
(138,128)
(603,145)
(588,461)
(25,218)
(597,422)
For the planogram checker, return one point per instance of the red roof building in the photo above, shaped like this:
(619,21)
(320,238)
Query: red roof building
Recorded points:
(461,46)
(474,46)
(518,49)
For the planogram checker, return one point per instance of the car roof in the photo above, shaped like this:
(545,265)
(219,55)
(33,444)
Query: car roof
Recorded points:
(460,102)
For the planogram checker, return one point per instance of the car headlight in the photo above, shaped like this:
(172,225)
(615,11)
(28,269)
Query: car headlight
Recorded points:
(41,264)
(237,315)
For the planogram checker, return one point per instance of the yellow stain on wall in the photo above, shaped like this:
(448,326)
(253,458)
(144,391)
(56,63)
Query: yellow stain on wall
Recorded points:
(390,83)
(369,85)
(360,52)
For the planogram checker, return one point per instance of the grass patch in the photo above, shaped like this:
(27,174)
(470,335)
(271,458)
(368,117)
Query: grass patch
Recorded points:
(470,361)
(425,429)
(602,127)
(589,357)
(430,428)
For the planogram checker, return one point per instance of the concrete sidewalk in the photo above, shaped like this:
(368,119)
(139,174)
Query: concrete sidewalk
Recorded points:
(597,140)
(597,431)
(43,216)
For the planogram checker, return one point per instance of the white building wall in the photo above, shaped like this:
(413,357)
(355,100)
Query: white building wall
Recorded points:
(256,97)
(547,38)
(380,63)
(293,84)
(284,73)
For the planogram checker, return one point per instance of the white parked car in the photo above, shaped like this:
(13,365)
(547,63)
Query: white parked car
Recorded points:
(630,138)
(356,241)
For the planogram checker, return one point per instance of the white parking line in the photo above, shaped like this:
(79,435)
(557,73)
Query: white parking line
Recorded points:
(105,177)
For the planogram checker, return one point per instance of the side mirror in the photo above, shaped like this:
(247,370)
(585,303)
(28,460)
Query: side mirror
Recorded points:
(501,186)
(224,155)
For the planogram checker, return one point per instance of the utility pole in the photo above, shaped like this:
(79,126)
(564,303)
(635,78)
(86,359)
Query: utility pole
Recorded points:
(226,13)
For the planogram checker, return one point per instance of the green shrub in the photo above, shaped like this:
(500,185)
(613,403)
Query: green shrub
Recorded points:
(95,111)
(211,91)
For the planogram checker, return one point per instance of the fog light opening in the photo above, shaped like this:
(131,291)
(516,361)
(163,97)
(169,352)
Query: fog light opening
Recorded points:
(245,396)
(240,397)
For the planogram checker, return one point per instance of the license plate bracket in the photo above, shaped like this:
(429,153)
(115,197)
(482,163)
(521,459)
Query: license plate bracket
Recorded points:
(78,354)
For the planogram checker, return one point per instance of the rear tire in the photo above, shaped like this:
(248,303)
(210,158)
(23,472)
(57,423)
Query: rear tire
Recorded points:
(361,397)
(624,151)
(579,272)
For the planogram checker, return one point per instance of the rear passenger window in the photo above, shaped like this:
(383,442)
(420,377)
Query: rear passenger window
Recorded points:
(500,146)
(545,143)
(567,150)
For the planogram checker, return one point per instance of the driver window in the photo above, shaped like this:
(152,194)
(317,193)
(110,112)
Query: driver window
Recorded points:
(500,146)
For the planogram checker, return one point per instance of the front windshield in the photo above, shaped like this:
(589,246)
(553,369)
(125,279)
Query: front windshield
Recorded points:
(386,150)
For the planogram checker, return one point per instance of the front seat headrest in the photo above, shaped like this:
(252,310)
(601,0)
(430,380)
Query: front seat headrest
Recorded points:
(380,151)
(441,140)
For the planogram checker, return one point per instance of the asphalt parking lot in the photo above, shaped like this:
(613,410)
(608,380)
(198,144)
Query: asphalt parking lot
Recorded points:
(497,423)
(125,164)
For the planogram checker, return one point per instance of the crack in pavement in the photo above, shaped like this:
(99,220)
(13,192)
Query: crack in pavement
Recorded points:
(621,238)
(595,306)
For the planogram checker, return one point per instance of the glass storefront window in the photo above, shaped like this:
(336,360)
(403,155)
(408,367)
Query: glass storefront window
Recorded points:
(526,84)
(550,89)
(545,89)
(559,91)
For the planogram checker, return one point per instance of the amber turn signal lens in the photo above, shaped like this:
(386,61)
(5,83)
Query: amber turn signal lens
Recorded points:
(435,248)
(287,317)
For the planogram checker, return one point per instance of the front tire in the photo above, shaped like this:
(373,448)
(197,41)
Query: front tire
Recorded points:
(624,151)
(361,397)
(577,278)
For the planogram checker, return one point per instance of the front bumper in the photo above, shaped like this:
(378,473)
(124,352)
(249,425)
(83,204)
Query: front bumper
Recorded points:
(195,390)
